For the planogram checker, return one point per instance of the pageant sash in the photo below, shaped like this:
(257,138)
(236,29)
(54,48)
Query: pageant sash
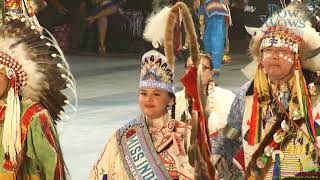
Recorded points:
(137,152)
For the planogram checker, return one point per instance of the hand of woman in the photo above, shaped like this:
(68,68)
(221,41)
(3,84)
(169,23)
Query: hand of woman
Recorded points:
(90,19)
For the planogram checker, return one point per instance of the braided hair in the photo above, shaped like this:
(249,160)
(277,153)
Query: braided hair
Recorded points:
(173,107)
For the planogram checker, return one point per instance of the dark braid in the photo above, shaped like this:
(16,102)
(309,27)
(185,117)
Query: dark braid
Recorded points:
(173,108)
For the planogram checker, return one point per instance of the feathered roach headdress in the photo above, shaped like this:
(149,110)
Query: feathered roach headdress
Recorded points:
(36,69)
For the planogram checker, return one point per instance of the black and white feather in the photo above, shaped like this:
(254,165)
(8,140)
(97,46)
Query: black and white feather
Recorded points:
(48,73)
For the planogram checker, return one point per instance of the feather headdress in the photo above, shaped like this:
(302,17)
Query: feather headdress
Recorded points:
(294,19)
(292,30)
(36,69)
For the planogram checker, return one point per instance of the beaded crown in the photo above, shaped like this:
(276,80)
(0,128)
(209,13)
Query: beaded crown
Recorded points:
(155,72)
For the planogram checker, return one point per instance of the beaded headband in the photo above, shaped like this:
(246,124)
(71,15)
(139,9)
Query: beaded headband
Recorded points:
(15,69)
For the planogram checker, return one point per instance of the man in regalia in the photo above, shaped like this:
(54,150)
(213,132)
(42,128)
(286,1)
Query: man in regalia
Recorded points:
(275,117)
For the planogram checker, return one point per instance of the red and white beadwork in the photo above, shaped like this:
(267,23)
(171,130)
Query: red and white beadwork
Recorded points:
(20,75)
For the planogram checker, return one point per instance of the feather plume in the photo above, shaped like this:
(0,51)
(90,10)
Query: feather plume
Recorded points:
(42,60)
(155,30)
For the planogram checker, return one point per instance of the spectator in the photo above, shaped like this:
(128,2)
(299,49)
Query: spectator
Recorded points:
(104,8)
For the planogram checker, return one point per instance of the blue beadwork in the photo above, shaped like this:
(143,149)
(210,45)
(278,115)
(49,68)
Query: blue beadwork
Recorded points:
(276,168)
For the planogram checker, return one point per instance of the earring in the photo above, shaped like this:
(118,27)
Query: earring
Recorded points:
(171,103)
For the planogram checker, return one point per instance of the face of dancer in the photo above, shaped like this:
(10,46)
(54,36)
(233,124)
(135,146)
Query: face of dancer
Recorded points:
(207,69)
(196,4)
(153,102)
(3,85)
(278,63)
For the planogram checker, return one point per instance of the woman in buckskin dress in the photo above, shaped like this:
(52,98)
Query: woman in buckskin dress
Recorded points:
(153,144)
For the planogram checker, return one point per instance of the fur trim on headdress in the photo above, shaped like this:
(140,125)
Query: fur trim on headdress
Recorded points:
(156,32)
(203,166)
(295,18)
(189,27)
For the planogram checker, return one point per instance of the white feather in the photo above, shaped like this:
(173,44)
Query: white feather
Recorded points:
(221,100)
(155,27)
(20,54)
(251,30)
